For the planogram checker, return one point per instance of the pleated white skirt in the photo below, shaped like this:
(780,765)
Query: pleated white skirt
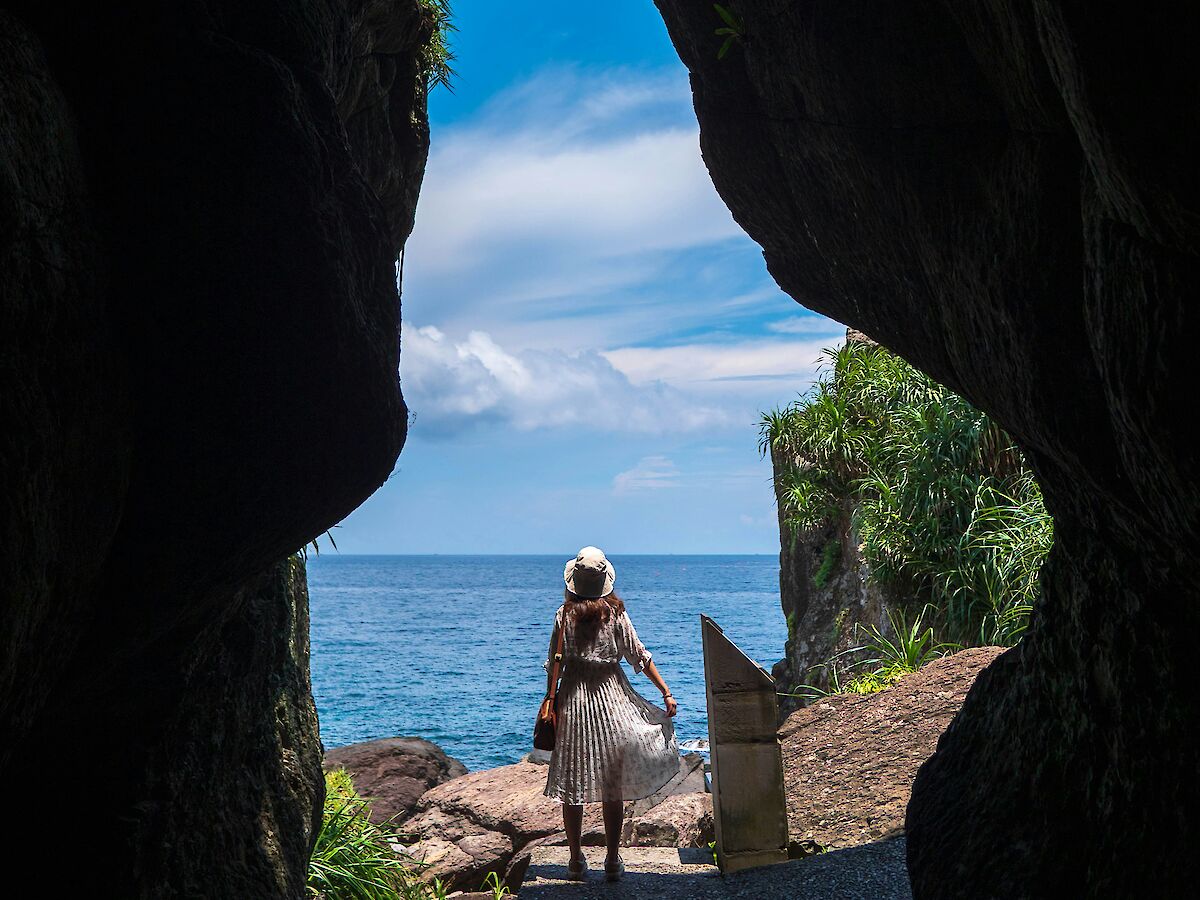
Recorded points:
(612,743)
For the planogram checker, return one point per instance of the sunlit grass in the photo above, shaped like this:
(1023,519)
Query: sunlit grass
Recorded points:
(352,859)
(910,646)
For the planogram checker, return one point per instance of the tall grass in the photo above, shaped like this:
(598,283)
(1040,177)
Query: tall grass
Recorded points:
(352,859)
(889,658)
(945,505)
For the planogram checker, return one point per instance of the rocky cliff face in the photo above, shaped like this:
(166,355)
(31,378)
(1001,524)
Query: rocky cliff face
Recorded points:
(826,589)
(1006,195)
(201,204)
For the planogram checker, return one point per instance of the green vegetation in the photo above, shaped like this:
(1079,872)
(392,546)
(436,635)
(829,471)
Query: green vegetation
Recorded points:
(495,884)
(830,554)
(734,31)
(944,504)
(316,547)
(889,658)
(352,859)
(912,646)
(436,55)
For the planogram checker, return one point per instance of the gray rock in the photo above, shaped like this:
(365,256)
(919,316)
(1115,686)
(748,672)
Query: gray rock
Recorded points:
(682,820)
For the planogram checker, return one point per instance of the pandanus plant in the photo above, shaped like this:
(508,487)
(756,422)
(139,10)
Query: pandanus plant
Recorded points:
(943,502)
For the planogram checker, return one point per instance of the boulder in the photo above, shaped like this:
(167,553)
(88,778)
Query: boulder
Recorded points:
(849,760)
(476,824)
(394,772)
(464,864)
(682,820)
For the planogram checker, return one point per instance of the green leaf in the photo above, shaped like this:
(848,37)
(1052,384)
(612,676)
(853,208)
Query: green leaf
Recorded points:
(727,16)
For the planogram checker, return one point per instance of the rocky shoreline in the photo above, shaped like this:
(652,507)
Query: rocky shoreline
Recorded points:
(849,764)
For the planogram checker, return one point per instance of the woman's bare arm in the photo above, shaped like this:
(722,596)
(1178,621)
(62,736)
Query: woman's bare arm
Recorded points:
(550,667)
(657,680)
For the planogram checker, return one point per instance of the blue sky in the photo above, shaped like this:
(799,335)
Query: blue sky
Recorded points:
(588,336)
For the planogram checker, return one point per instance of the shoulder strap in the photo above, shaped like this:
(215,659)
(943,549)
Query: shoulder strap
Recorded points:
(558,653)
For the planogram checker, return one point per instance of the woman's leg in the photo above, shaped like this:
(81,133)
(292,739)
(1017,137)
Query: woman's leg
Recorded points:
(573,825)
(613,819)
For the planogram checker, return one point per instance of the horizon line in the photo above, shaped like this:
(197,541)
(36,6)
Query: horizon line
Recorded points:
(555,554)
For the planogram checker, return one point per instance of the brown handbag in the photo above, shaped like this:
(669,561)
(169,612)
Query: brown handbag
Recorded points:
(547,717)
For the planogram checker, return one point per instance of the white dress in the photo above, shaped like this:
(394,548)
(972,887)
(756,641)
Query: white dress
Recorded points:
(611,743)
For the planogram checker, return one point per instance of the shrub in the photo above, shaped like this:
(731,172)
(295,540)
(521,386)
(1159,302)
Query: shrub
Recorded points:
(944,503)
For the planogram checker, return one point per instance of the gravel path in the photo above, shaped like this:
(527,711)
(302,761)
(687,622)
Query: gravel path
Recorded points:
(870,872)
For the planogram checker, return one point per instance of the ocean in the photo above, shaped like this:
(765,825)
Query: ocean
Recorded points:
(450,648)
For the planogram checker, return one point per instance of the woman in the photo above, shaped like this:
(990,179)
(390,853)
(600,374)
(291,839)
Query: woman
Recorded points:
(611,744)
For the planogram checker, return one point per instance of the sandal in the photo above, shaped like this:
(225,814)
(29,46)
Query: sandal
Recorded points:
(614,871)
(577,873)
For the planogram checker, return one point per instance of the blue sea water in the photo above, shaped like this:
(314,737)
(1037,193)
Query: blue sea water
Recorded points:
(450,648)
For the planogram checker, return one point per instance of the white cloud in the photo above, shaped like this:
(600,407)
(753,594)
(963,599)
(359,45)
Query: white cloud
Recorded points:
(623,196)
(651,473)
(722,366)
(453,385)
(572,198)
(570,218)
(810,324)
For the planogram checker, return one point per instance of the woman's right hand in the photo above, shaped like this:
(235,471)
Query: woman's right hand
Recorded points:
(672,706)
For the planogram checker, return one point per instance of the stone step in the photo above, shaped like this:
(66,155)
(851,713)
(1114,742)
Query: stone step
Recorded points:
(649,872)
(870,872)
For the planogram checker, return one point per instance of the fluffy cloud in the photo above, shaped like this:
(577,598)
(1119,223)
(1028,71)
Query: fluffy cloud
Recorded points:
(575,163)
(568,220)
(452,385)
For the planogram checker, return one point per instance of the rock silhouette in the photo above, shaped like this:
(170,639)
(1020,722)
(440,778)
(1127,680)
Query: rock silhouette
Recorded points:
(1006,196)
(201,205)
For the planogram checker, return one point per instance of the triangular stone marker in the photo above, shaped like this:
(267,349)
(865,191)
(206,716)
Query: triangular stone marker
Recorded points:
(749,809)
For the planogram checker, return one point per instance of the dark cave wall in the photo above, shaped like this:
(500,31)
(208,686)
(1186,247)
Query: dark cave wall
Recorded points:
(238,770)
(201,204)
(1006,195)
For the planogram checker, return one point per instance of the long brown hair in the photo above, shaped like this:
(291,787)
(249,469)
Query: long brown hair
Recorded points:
(588,614)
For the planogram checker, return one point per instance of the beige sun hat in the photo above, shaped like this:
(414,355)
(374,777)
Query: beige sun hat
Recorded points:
(590,574)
